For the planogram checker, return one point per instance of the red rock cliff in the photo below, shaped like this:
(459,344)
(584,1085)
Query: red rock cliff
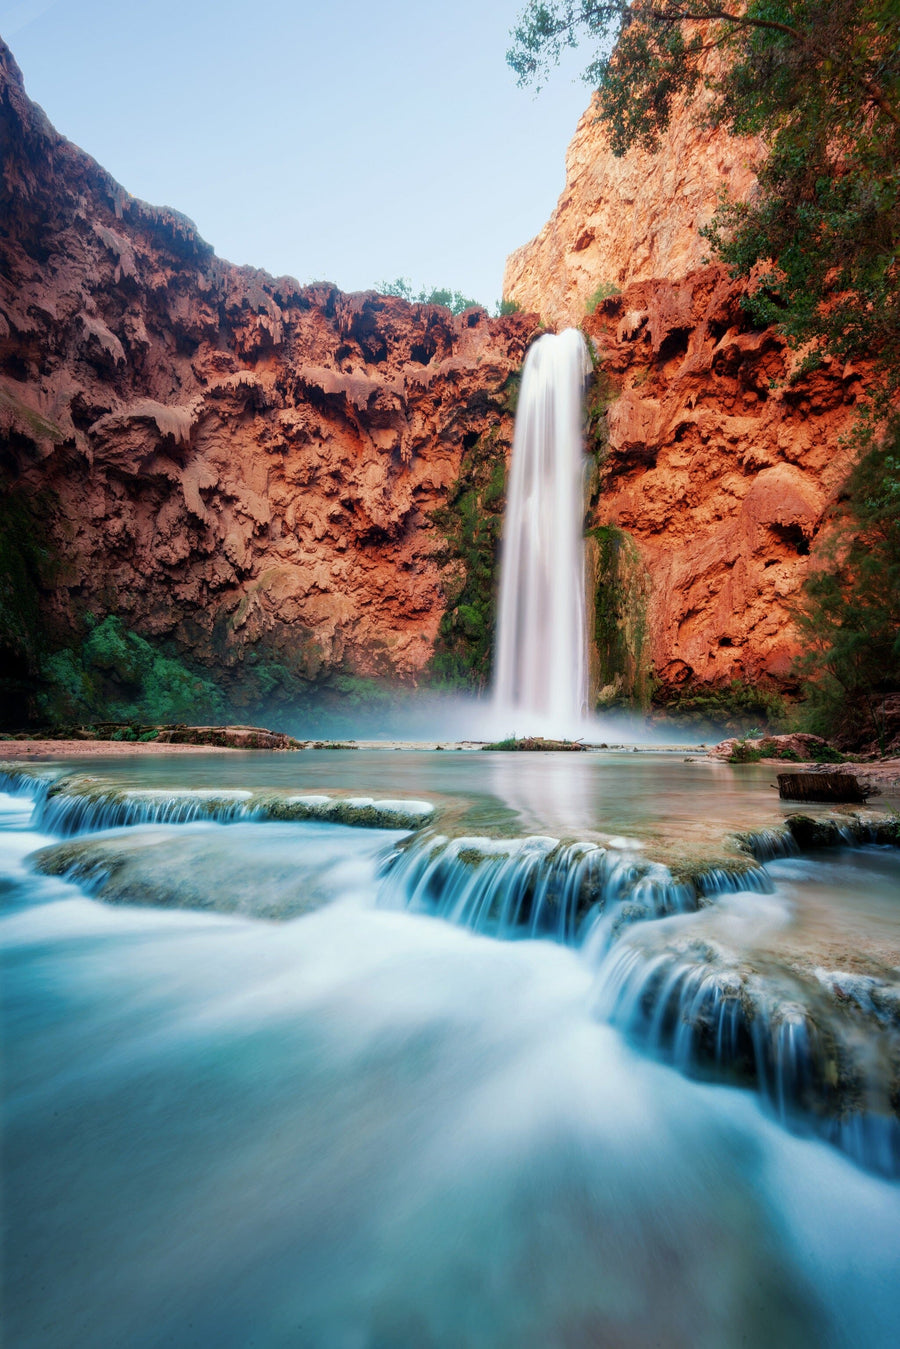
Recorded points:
(721,469)
(229,460)
(630,219)
(719,465)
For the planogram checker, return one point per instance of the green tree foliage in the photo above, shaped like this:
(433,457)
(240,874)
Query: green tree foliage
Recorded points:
(850,615)
(820,79)
(454,300)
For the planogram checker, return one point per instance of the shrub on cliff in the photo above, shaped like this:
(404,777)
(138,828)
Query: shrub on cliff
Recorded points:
(454,300)
(605,291)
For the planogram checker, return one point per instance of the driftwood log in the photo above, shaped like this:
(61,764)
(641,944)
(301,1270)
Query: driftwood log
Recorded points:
(822,787)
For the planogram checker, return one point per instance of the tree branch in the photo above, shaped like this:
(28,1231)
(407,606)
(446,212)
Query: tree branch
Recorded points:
(680,15)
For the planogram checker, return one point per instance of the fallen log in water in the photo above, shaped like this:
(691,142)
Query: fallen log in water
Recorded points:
(840,786)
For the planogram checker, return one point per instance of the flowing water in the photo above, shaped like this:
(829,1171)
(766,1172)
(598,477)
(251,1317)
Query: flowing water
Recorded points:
(541,660)
(368,1127)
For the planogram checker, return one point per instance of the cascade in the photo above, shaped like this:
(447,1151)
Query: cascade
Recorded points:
(541,669)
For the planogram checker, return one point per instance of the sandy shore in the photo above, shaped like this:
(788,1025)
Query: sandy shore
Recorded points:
(105,749)
(96,749)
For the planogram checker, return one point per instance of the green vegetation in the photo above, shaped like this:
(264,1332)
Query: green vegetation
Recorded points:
(737,707)
(533,743)
(750,751)
(116,675)
(818,244)
(825,753)
(25,566)
(621,592)
(849,617)
(605,291)
(471,522)
(601,393)
(454,300)
(820,80)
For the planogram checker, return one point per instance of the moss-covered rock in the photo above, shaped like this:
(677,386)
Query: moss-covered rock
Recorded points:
(621,671)
(471,523)
(220,872)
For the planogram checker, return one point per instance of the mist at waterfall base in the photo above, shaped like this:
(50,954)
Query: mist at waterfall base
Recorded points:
(371,1129)
(395,712)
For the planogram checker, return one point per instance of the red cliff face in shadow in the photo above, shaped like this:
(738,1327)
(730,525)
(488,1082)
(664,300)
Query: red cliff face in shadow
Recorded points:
(227,459)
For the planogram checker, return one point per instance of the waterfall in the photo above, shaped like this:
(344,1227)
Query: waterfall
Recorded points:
(541,672)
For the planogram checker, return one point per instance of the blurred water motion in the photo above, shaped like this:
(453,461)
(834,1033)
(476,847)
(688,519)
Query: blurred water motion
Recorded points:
(368,1128)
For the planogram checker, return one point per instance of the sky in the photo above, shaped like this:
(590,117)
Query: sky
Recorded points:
(339,141)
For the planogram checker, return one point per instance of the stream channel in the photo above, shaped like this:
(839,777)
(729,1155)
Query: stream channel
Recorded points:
(484,1077)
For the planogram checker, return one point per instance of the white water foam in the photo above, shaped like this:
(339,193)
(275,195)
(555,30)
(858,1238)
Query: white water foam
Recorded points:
(541,671)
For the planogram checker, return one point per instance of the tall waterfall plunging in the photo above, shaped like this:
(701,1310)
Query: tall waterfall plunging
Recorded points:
(541,670)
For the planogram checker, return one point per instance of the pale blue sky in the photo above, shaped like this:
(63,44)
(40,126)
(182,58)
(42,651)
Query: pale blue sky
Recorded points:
(346,141)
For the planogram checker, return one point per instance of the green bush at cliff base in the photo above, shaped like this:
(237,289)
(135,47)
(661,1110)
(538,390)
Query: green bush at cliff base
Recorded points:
(734,708)
(471,523)
(746,751)
(116,675)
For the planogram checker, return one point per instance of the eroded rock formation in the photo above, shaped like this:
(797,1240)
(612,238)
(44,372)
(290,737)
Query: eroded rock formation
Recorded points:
(231,461)
(249,469)
(721,469)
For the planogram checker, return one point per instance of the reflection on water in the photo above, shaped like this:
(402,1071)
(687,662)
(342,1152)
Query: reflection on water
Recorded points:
(848,899)
(566,793)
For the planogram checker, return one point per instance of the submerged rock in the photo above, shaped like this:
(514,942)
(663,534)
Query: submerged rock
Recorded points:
(267,871)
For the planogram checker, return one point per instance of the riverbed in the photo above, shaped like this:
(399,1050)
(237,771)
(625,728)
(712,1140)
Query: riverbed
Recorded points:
(372,1124)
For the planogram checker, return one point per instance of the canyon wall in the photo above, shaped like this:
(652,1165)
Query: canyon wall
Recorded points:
(718,461)
(274,479)
(721,468)
(234,463)
(634,218)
